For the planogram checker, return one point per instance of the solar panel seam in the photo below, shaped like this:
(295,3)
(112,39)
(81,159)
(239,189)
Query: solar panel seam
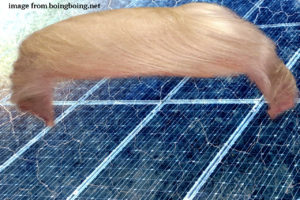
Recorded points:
(213,164)
(47,129)
(292,24)
(150,102)
(153,102)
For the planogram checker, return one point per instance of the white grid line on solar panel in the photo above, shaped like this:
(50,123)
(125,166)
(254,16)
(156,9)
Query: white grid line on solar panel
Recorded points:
(120,147)
(203,178)
(46,130)
(154,147)
(244,177)
(279,25)
(150,102)
(155,102)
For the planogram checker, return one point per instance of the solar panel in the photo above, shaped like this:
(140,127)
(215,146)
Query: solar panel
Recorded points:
(155,138)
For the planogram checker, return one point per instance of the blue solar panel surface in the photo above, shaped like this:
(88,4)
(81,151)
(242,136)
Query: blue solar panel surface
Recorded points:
(161,138)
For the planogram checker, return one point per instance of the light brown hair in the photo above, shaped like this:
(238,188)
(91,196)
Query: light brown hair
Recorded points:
(196,40)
